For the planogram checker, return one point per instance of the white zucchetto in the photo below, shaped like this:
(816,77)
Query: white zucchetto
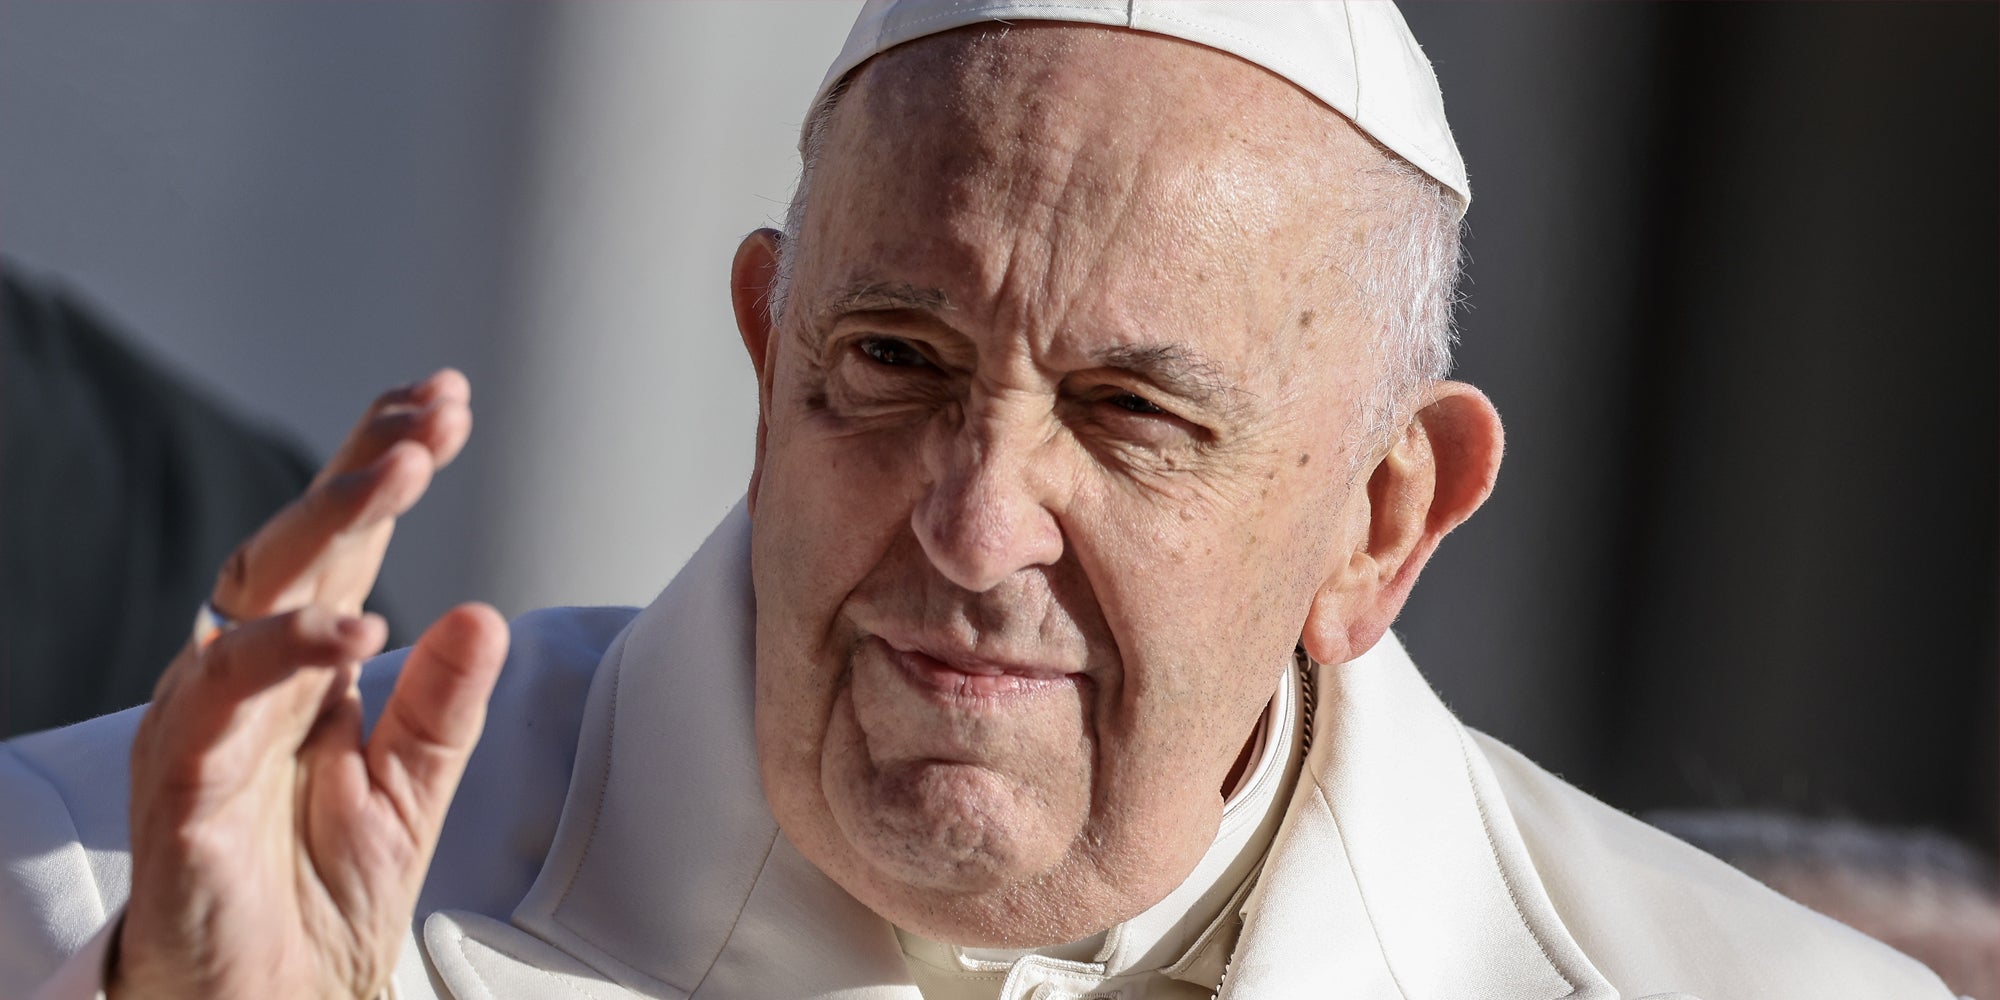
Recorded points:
(1356,56)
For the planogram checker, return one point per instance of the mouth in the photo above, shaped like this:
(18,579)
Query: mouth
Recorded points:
(959,677)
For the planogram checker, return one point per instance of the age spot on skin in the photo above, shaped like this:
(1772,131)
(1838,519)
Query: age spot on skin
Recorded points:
(1304,457)
(1306,320)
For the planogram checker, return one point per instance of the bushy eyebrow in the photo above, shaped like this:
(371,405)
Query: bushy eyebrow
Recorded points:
(875,296)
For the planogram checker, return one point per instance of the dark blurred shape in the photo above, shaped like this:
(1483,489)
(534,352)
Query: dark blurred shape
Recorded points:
(121,492)
(1920,892)
(1733,287)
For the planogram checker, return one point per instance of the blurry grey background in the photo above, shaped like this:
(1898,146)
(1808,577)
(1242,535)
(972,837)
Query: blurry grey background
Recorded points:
(1732,287)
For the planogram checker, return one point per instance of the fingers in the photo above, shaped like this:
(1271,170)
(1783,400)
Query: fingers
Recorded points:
(434,716)
(248,659)
(327,546)
(435,413)
(262,823)
(270,679)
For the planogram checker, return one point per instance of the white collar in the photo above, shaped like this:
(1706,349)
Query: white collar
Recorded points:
(1397,872)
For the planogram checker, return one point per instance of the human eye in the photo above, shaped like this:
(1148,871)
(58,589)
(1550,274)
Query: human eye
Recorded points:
(1124,415)
(879,373)
(892,352)
(1134,403)
(1120,404)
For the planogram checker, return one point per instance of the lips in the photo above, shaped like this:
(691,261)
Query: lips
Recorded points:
(963,677)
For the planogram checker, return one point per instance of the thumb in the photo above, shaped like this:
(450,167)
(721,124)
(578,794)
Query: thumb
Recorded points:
(433,719)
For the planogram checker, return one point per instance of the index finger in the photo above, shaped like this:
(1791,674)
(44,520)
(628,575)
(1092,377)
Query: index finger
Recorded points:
(433,412)
(327,546)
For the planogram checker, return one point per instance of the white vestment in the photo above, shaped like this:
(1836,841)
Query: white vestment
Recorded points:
(611,840)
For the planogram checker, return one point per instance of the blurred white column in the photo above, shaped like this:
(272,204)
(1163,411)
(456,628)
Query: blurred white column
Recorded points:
(627,413)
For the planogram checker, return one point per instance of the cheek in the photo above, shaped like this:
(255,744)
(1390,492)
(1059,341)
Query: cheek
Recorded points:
(829,509)
(831,503)
(1206,607)
(1199,577)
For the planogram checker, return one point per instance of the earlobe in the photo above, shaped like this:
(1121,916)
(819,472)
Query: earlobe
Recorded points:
(1439,471)
(751,276)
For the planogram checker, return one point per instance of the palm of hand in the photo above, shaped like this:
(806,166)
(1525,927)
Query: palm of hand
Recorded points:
(276,852)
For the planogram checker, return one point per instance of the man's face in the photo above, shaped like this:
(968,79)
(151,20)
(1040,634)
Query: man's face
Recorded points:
(1059,431)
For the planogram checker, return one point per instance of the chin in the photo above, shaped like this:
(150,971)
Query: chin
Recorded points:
(953,829)
(1025,914)
(951,869)
(951,852)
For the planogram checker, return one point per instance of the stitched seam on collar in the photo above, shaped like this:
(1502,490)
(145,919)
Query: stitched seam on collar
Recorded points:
(738,918)
(596,814)
(527,963)
(1347,854)
(1493,852)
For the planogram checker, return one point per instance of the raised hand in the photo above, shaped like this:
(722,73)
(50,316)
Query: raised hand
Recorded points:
(275,853)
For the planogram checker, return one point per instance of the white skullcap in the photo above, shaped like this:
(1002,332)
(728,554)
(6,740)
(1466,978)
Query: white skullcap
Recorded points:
(1358,57)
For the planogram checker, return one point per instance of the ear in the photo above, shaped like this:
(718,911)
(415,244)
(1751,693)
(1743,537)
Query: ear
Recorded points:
(1432,477)
(750,278)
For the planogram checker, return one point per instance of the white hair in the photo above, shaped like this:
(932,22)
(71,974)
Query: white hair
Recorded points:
(818,123)
(1408,268)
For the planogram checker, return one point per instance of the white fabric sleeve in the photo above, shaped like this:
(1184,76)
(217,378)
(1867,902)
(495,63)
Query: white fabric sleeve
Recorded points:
(51,906)
(81,977)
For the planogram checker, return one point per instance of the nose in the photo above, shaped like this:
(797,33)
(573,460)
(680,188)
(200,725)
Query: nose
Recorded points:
(986,515)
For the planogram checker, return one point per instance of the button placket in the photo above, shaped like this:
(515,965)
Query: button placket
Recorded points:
(1051,991)
(1036,978)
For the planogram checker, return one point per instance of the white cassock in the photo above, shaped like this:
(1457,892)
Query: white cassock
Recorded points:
(611,840)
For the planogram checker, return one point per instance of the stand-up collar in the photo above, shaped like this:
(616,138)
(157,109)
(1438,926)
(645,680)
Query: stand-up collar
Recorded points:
(1397,872)
(668,872)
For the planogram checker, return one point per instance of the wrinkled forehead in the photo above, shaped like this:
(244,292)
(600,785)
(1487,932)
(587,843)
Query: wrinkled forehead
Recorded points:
(1040,94)
(1063,167)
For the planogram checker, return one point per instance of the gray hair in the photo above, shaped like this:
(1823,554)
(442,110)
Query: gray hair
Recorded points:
(818,123)
(1408,267)
(1408,270)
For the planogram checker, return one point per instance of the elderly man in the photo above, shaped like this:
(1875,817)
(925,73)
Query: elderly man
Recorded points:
(1102,435)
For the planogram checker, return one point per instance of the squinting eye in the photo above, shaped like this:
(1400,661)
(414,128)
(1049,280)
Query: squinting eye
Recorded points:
(1134,404)
(890,351)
